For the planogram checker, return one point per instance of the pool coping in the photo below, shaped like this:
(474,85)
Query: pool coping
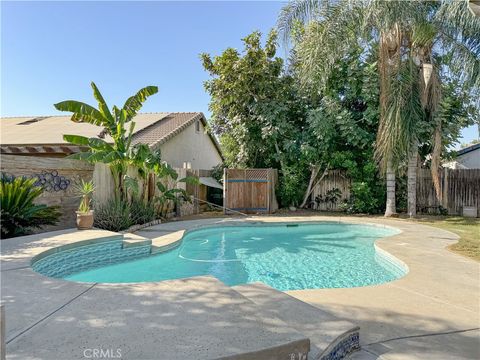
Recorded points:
(445,301)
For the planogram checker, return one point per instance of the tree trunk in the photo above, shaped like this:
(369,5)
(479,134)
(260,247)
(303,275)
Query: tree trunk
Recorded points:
(280,159)
(312,184)
(412,180)
(391,209)
(315,170)
(436,157)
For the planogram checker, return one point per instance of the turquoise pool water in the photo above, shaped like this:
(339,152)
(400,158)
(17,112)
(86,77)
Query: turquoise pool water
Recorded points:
(305,256)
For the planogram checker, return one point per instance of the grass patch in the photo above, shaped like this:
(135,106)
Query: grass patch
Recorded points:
(467,228)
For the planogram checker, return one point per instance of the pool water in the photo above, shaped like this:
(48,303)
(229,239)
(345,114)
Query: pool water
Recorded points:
(284,256)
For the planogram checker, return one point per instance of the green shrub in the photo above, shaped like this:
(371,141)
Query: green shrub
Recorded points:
(363,200)
(114,215)
(118,215)
(217,172)
(142,213)
(19,215)
(291,187)
(330,198)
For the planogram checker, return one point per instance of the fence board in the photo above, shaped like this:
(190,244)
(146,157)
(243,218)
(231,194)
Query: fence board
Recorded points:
(334,179)
(459,188)
(250,190)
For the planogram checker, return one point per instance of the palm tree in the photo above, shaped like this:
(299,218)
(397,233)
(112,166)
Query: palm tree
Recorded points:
(115,154)
(412,38)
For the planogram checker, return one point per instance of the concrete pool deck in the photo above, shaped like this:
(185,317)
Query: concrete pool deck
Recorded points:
(431,313)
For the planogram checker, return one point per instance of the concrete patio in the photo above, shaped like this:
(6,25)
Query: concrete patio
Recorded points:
(431,313)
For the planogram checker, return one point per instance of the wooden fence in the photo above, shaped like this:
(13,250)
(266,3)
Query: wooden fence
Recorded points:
(250,190)
(459,187)
(59,176)
(335,179)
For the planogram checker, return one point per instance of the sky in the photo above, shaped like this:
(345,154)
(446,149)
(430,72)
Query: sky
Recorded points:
(50,51)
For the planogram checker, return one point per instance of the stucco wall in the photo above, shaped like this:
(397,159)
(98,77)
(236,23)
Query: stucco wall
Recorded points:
(191,146)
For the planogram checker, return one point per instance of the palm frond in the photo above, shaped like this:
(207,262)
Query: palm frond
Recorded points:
(403,113)
(325,43)
(297,11)
(459,31)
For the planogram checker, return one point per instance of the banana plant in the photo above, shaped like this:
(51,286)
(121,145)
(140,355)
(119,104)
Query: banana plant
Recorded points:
(168,195)
(145,160)
(116,123)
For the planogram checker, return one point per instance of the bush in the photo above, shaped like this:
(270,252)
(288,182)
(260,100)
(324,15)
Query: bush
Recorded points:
(291,187)
(19,214)
(142,213)
(118,215)
(114,215)
(217,172)
(362,200)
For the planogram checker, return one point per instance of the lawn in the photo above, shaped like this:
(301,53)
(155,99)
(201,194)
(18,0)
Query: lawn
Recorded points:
(467,228)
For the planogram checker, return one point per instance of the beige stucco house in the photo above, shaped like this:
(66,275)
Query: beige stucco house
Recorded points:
(181,137)
(34,147)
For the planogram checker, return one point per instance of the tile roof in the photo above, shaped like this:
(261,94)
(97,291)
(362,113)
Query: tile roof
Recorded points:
(150,128)
(50,129)
(161,131)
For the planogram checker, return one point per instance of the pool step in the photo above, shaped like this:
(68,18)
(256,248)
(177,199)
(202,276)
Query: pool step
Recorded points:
(166,242)
(133,240)
(328,335)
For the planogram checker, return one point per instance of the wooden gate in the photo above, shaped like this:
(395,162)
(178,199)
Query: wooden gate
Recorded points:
(250,190)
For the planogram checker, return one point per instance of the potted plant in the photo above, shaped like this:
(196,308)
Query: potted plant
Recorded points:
(85,213)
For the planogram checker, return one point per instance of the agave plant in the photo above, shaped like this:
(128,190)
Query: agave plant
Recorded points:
(19,213)
(85,189)
(116,123)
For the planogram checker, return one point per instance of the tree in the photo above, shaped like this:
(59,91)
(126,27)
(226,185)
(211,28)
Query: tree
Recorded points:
(411,36)
(301,130)
(254,107)
(115,123)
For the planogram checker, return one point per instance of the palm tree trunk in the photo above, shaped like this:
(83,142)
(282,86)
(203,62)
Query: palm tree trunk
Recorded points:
(412,180)
(391,209)
(436,157)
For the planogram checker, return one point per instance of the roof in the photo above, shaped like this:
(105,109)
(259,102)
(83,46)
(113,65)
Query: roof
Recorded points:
(46,132)
(468,149)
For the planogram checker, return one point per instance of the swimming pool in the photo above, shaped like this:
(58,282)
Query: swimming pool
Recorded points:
(284,256)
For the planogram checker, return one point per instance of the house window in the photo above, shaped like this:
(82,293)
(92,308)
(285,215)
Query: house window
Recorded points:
(197,126)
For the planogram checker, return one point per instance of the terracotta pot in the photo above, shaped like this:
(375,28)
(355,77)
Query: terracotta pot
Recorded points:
(84,220)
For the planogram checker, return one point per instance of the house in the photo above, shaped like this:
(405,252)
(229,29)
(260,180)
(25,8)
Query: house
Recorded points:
(181,137)
(467,158)
(34,147)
